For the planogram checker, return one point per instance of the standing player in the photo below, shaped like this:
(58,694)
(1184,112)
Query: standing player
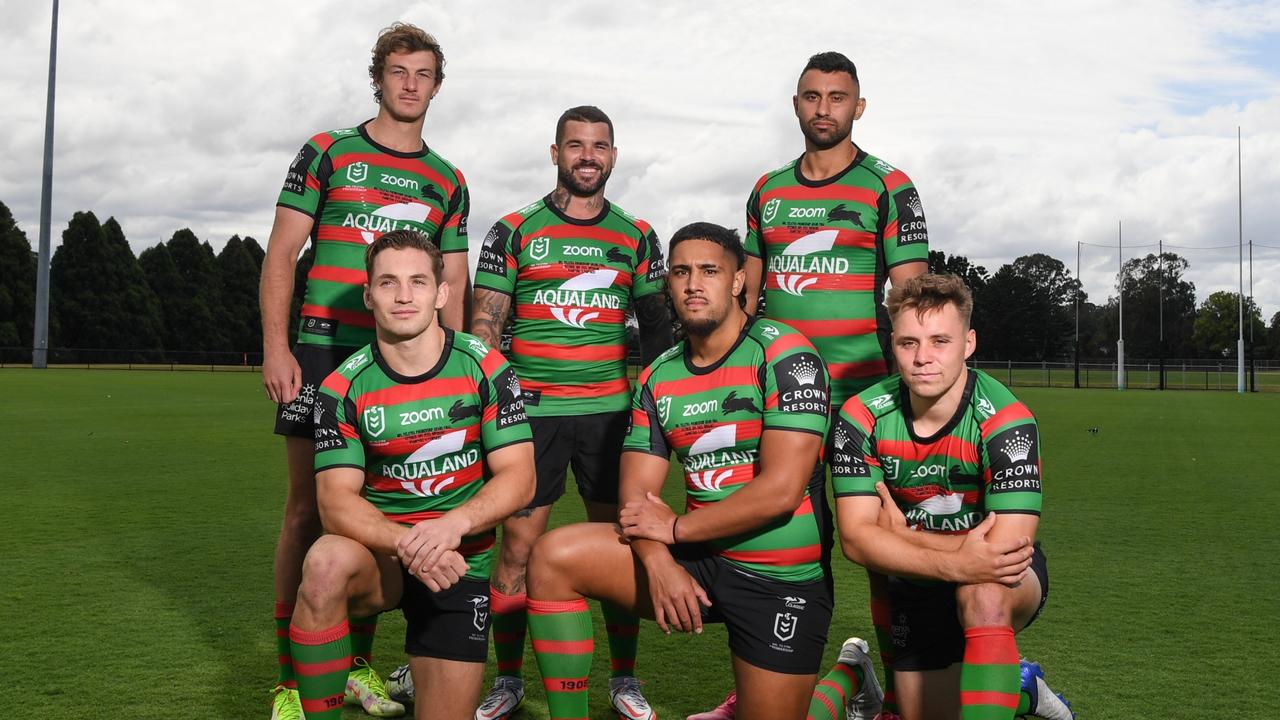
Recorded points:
(959,456)
(344,189)
(572,263)
(824,232)
(743,403)
(422,447)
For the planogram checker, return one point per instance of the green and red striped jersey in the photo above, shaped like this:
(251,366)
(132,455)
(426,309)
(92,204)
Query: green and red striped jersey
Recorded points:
(827,246)
(985,459)
(422,441)
(356,190)
(571,282)
(712,417)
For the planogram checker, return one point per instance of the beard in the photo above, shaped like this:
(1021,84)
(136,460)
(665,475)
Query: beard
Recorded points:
(571,183)
(826,140)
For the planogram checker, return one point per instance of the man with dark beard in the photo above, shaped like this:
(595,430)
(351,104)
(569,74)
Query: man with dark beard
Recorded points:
(824,233)
(572,263)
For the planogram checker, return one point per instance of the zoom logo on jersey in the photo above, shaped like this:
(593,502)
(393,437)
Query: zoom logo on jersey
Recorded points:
(418,416)
(571,303)
(397,181)
(802,386)
(295,181)
(771,209)
(911,224)
(358,172)
(582,251)
(793,268)
(1015,460)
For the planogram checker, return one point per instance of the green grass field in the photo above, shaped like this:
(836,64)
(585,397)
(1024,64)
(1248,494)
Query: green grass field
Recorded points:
(142,507)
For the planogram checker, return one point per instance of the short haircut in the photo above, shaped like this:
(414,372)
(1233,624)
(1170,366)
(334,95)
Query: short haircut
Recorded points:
(722,236)
(399,240)
(829,62)
(402,37)
(928,292)
(583,113)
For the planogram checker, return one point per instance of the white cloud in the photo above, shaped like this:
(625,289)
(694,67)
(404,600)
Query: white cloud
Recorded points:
(1027,127)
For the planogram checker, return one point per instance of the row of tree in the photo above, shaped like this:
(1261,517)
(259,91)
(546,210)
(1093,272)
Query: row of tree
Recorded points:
(181,300)
(1032,309)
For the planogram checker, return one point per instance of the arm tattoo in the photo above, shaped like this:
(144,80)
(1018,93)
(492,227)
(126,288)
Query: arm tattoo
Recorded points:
(490,313)
(655,326)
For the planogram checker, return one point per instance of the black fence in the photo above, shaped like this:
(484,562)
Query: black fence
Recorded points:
(120,359)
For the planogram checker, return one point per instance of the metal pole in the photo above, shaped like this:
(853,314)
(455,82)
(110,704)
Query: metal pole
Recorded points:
(1120,342)
(40,341)
(1240,226)
(1160,292)
(1078,284)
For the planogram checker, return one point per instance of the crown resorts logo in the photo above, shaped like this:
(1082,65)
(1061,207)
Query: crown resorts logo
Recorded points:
(1017,447)
(842,438)
(771,209)
(805,371)
(916,207)
(513,385)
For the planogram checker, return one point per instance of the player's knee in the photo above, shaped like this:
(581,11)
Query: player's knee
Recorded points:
(984,604)
(326,572)
(550,562)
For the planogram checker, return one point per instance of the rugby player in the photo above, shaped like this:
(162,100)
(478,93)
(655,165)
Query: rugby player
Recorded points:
(743,402)
(421,448)
(343,190)
(824,233)
(959,456)
(571,264)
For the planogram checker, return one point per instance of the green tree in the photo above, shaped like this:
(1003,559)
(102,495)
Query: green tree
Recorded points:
(1217,324)
(238,276)
(1029,310)
(1146,281)
(195,320)
(1273,338)
(17,284)
(98,292)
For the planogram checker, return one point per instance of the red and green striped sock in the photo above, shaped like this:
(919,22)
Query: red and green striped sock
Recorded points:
(882,619)
(833,691)
(284,654)
(989,679)
(320,660)
(509,623)
(563,644)
(624,636)
(362,632)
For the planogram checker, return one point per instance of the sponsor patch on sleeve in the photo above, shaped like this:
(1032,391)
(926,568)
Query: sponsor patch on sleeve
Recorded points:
(847,459)
(510,399)
(295,181)
(911,224)
(802,386)
(325,418)
(1014,455)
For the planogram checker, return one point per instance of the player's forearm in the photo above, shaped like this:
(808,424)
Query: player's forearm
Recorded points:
(488,315)
(275,295)
(454,313)
(354,517)
(499,498)
(758,503)
(755,278)
(890,553)
(655,326)
(931,540)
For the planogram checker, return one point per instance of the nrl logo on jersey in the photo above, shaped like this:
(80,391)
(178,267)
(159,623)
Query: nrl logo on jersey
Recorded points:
(539,248)
(664,409)
(771,210)
(784,626)
(890,465)
(358,172)
(375,420)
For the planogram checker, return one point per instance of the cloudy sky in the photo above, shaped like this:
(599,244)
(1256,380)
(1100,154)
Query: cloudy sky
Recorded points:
(1028,127)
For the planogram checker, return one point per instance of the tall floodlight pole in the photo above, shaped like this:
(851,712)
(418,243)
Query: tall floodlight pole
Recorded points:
(1120,342)
(40,344)
(1240,227)
(1160,295)
(1078,284)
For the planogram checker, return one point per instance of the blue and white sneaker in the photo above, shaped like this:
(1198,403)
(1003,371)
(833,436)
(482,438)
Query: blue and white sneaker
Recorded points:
(1045,703)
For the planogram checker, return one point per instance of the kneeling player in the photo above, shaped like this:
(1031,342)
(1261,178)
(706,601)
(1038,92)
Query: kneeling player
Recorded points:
(955,458)
(422,447)
(744,404)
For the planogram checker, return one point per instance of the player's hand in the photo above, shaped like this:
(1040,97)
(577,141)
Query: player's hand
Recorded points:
(447,571)
(980,560)
(891,517)
(426,542)
(281,376)
(648,519)
(677,598)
